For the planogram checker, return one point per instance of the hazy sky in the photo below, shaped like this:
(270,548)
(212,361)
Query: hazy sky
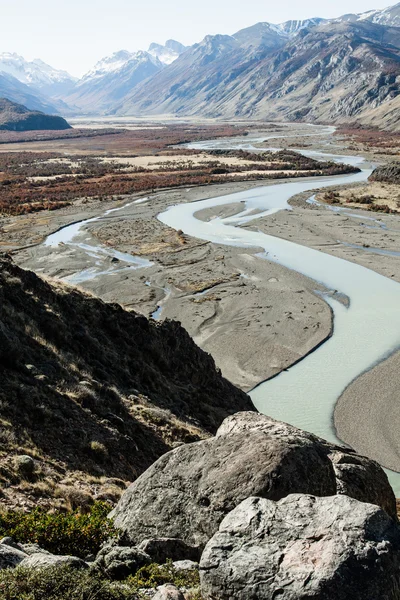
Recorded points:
(74,34)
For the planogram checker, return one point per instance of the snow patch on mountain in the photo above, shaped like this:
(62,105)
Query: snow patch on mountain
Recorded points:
(168,53)
(34,73)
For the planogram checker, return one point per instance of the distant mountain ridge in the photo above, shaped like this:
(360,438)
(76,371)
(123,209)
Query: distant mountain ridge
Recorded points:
(341,70)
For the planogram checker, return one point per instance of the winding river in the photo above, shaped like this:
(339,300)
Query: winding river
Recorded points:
(365,331)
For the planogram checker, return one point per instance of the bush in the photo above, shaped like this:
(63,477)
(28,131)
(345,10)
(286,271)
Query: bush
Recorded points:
(151,576)
(58,583)
(72,533)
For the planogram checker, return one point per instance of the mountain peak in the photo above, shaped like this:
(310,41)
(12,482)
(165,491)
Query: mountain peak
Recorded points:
(168,53)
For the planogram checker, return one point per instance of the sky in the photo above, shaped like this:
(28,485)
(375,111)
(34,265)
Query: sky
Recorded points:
(75,34)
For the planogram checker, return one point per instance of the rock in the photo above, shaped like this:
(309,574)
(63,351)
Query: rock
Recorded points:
(168,592)
(162,549)
(41,560)
(118,562)
(185,565)
(25,466)
(356,476)
(187,492)
(34,549)
(10,556)
(9,541)
(303,547)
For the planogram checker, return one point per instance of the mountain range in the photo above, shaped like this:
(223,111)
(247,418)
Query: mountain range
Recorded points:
(344,70)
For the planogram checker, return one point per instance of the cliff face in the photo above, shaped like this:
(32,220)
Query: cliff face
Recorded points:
(16,117)
(89,387)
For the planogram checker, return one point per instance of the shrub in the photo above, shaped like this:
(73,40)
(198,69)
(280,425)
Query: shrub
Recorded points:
(151,576)
(72,533)
(58,583)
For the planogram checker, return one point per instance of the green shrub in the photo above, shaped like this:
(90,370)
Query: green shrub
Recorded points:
(151,576)
(58,583)
(71,533)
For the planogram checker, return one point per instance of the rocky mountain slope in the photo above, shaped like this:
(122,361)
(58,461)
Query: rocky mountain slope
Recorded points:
(112,79)
(333,72)
(14,90)
(90,390)
(16,117)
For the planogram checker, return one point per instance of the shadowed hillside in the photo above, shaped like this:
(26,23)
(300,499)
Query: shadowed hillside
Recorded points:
(90,390)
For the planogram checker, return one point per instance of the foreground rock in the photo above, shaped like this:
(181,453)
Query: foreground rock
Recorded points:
(303,547)
(10,557)
(356,476)
(118,562)
(168,592)
(40,561)
(187,492)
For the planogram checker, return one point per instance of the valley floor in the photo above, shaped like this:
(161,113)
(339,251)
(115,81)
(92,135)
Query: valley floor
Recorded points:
(254,316)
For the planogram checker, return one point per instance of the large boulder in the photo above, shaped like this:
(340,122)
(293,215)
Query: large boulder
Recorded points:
(118,562)
(168,592)
(356,476)
(44,560)
(188,491)
(303,547)
(10,556)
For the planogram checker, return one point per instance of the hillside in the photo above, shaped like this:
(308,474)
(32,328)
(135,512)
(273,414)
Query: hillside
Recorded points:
(19,92)
(334,72)
(92,392)
(111,79)
(15,117)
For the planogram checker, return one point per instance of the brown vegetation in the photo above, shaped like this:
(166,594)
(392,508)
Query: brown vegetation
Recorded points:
(31,182)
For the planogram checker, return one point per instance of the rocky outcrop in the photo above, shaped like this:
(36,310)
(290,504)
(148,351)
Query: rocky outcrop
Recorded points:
(188,492)
(389,173)
(118,562)
(356,476)
(303,547)
(16,117)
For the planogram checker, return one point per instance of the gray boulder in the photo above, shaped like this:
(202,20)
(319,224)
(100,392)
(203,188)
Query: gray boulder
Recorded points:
(10,556)
(118,562)
(162,549)
(187,492)
(185,565)
(40,561)
(168,592)
(356,476)
(303,547)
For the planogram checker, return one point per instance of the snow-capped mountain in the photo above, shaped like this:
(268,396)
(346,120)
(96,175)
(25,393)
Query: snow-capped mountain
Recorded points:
(291,28)
(389,16)
(168,53)
(111,79)
(36,73)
